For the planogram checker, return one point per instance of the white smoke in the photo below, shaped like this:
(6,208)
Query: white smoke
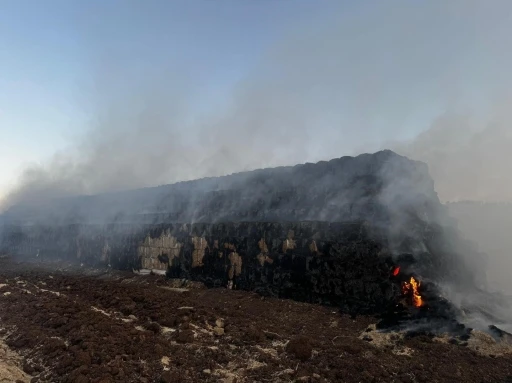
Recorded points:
(347,80)
(342,82)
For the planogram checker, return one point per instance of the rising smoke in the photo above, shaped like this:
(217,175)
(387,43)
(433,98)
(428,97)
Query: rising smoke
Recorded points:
(345,81)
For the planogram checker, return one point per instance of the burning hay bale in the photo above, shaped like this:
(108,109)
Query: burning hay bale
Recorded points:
(367,234)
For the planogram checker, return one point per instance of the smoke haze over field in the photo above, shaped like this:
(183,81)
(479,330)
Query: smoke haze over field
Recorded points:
(468,161)
(345,80)
(170,92)
(426,79)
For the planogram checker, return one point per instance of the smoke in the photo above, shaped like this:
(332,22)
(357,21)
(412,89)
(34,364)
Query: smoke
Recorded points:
(345,81)
(426,79)
(467,158)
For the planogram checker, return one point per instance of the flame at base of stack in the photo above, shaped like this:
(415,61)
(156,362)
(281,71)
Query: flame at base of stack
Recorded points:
(411,289)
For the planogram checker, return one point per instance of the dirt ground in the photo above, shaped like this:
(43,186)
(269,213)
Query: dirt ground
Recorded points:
(78,325)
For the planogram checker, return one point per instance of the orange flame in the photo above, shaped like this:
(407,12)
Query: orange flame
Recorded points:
(396,270)
(411,288)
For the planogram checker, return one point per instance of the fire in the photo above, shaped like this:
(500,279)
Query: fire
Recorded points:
(396,271)
(412,288)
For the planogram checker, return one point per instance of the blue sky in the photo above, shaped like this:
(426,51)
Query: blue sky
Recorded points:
(49,52)
(356,72)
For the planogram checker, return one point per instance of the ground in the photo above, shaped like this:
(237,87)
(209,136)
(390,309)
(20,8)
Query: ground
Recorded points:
(73,324)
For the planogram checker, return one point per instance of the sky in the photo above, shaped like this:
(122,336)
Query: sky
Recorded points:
(49,54)
(216,86)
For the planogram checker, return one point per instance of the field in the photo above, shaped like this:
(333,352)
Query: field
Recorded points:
(63,323)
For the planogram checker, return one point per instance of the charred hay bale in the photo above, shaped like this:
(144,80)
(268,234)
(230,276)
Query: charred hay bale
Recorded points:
(321,232)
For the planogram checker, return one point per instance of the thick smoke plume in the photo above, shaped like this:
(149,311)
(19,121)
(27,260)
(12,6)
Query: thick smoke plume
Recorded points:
(469,161)
(344,82)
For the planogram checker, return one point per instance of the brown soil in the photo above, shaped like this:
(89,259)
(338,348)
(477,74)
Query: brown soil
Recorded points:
(84,326)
